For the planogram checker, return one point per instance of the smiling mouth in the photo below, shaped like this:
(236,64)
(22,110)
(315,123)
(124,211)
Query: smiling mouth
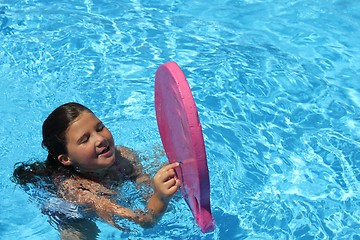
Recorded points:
(107,149)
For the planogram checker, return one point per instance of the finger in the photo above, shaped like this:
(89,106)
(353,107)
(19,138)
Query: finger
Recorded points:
(171,166)
(164,175)
(171,173)
(172,190)
(170,182)
(178,182)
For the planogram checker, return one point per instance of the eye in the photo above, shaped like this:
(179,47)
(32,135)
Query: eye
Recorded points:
(83,139)
(100,127)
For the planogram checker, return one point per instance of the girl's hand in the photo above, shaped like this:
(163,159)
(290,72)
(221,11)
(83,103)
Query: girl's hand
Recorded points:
(166,183)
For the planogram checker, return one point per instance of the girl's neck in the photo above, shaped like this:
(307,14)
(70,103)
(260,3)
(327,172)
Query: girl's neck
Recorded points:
(103,175)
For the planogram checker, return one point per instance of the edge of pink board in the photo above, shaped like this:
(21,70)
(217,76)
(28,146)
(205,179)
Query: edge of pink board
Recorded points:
(181,134)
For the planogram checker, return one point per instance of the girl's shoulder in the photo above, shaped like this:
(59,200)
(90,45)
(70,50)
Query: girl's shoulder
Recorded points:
(128,153)
(129,163)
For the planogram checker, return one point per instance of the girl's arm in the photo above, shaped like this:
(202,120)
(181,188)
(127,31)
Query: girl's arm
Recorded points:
(95,196)
(165,186)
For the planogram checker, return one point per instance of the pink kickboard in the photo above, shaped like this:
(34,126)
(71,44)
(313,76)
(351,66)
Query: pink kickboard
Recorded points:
(182,137)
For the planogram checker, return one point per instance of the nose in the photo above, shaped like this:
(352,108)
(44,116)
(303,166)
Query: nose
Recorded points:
(100,140)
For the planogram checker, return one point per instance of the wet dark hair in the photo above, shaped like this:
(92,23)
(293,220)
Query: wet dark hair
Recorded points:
(55,126)
(54,141)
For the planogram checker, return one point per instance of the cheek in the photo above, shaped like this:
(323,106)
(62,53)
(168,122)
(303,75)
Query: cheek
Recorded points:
(87,151)
(82,154)
(110,137)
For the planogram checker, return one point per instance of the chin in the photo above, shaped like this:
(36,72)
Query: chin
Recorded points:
(112,160)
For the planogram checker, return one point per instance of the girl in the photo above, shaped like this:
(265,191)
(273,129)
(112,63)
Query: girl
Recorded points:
(83,164)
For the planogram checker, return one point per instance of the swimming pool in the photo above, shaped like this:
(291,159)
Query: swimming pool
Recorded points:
(275,82)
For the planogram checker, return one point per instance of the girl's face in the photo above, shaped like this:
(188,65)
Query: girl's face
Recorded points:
(90,144)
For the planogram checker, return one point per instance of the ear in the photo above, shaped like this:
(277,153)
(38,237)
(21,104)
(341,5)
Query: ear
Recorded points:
(64,160)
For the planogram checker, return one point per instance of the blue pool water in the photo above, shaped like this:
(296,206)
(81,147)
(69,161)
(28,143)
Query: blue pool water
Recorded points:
(276,84)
